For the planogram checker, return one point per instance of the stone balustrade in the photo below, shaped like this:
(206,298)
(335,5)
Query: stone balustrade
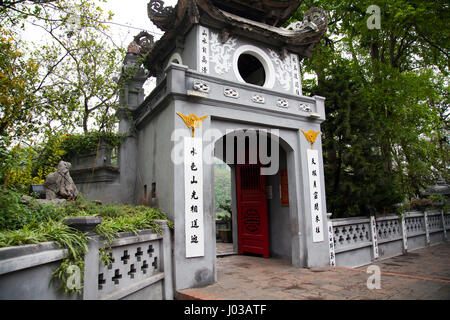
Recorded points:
(358,241)
(141,268)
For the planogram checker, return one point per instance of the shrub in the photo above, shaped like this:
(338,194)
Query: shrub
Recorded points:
(33,223)
(420,203)
(14,214)
(84,143)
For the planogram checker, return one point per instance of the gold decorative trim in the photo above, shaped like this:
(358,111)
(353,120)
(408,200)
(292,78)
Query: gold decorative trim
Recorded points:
(311,136)
(192,121)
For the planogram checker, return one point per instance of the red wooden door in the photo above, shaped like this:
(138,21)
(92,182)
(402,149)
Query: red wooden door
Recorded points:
(253,229)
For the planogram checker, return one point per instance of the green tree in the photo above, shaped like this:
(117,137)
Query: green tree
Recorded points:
(77,62)
(66,82)
(17,78)
(79,67)
(385,106)
(222,186)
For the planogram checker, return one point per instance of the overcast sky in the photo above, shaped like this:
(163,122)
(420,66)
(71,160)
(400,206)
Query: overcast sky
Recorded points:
(132,13)
(130,17)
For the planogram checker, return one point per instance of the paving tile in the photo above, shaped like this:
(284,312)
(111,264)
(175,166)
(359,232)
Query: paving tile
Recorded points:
(417,275)
(332,287)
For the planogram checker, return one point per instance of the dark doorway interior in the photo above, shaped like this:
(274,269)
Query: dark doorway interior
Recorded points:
(251,69)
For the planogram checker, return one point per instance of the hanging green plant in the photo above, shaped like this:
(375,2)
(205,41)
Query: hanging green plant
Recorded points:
(85,143)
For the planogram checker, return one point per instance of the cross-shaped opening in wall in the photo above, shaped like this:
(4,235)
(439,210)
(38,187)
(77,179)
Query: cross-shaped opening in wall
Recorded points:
(101,281)
(155,263)
(144,266)
(150,250)
(111,260)
(132,271)
(139,254)
(125,257)
(117,276)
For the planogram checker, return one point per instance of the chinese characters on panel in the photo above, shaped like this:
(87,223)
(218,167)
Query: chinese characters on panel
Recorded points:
(315,194)
(193,184)
(296,79)
(203,64)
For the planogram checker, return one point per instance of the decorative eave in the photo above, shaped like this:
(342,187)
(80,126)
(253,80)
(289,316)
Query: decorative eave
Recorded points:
(299,37)
(270,12)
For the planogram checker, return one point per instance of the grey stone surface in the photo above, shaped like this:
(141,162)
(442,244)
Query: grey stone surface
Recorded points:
(419,275)
(55,202)
(85,224)
(32,283)
(59,184)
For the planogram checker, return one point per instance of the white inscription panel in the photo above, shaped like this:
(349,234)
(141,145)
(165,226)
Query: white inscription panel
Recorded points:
(193,186)
(315,193)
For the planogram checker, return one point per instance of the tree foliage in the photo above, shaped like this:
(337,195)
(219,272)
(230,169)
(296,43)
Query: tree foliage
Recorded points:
(79,67)
(222,186)
(17,78)
(62,83)
(76,63)
(386,135)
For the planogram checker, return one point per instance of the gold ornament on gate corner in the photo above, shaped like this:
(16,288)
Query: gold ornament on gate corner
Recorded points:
(311,136)
(192,121)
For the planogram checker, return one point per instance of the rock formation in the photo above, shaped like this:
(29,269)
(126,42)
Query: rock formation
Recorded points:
(59,184)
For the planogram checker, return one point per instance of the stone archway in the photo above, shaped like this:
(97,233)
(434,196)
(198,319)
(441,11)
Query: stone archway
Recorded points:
(280,209)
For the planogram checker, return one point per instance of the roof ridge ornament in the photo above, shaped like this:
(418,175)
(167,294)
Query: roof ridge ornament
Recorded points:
(161,16)
(314,19)
(193,11)
(142,43)
(157,7)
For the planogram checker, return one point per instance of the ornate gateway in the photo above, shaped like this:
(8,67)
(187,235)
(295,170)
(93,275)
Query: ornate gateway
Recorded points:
(228,82)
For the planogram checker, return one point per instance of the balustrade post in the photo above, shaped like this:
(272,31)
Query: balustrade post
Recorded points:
(91,257)
(166,260)
(91,264)
(443,224)
(404,233)
(373,230)
(331,241)
(427,227)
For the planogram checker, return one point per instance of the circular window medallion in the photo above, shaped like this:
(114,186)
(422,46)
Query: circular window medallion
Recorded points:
(251,69)
(253,66)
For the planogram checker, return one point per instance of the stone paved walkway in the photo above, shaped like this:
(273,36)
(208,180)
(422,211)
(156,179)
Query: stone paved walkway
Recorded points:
(420,275)
(224,248)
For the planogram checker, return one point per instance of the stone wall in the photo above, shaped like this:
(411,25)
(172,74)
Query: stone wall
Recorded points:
(97,175)
(141,269)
